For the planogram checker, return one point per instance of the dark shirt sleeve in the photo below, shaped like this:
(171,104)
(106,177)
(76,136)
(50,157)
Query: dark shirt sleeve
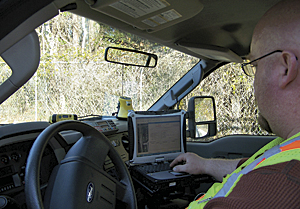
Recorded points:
(274,186)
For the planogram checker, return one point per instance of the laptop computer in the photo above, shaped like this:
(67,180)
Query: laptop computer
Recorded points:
(156,138)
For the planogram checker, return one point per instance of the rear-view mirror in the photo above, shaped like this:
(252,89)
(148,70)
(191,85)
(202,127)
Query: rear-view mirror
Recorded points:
(130,57)
(202,117)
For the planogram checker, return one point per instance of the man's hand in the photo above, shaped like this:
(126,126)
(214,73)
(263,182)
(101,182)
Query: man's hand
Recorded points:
(194,164)
(189,163)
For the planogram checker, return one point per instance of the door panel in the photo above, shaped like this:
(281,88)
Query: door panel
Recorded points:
(230,147)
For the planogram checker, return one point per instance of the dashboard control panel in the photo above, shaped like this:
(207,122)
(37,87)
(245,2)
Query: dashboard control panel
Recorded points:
(13,164)
(107,127)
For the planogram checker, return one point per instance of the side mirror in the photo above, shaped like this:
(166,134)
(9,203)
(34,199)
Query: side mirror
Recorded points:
(202,117)
(130,57)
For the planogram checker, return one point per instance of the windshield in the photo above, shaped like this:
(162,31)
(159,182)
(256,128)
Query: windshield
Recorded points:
(74,78)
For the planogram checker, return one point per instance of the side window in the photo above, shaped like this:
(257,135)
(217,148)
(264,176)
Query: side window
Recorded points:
(235,102)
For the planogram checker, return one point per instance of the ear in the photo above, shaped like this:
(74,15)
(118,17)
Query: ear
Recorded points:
(289,71)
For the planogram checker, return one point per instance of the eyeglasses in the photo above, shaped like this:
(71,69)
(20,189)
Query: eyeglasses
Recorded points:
(250,69)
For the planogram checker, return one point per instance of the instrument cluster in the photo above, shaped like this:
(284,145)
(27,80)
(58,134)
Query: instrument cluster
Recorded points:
(13,163)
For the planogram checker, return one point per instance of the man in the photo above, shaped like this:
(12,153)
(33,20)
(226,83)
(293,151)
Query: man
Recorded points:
(271,177)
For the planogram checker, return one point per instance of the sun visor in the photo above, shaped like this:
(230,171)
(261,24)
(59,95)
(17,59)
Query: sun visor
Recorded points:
(23,59)
(212,52)
(148,15)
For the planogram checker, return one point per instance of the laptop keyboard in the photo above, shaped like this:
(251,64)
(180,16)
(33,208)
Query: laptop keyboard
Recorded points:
(154,167)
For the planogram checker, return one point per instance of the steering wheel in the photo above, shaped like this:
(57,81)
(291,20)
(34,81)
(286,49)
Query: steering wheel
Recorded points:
(79,181)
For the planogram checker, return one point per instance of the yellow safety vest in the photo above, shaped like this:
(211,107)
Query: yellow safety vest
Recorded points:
(277,151)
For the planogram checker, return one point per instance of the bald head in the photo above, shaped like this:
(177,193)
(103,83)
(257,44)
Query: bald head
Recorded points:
(279,27)
(277,79)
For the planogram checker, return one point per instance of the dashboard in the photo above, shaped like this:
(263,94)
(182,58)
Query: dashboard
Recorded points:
(16,141)
(13,164)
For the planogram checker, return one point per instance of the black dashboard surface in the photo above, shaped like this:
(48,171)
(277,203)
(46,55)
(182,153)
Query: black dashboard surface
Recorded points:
(16,141)
(15,144)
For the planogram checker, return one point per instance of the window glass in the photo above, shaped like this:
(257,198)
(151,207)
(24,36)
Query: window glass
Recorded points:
(73,76)
(235,103)
(5,71)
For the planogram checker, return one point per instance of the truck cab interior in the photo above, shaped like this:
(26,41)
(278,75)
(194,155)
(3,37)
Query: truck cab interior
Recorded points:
(72,162)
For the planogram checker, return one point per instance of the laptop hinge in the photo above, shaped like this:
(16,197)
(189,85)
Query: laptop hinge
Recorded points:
(160,159)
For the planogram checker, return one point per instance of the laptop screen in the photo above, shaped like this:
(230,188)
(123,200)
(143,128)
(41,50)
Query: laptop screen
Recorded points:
(157,137)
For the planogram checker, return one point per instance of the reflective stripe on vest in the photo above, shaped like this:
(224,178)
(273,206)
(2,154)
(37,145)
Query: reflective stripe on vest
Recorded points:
(273,151)
(286,146)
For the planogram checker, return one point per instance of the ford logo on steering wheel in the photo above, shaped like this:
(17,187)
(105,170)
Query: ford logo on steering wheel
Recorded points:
(90,191)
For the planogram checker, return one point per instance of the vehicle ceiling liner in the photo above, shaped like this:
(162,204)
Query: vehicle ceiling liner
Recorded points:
(212,52)
(20,11)
(155,16)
